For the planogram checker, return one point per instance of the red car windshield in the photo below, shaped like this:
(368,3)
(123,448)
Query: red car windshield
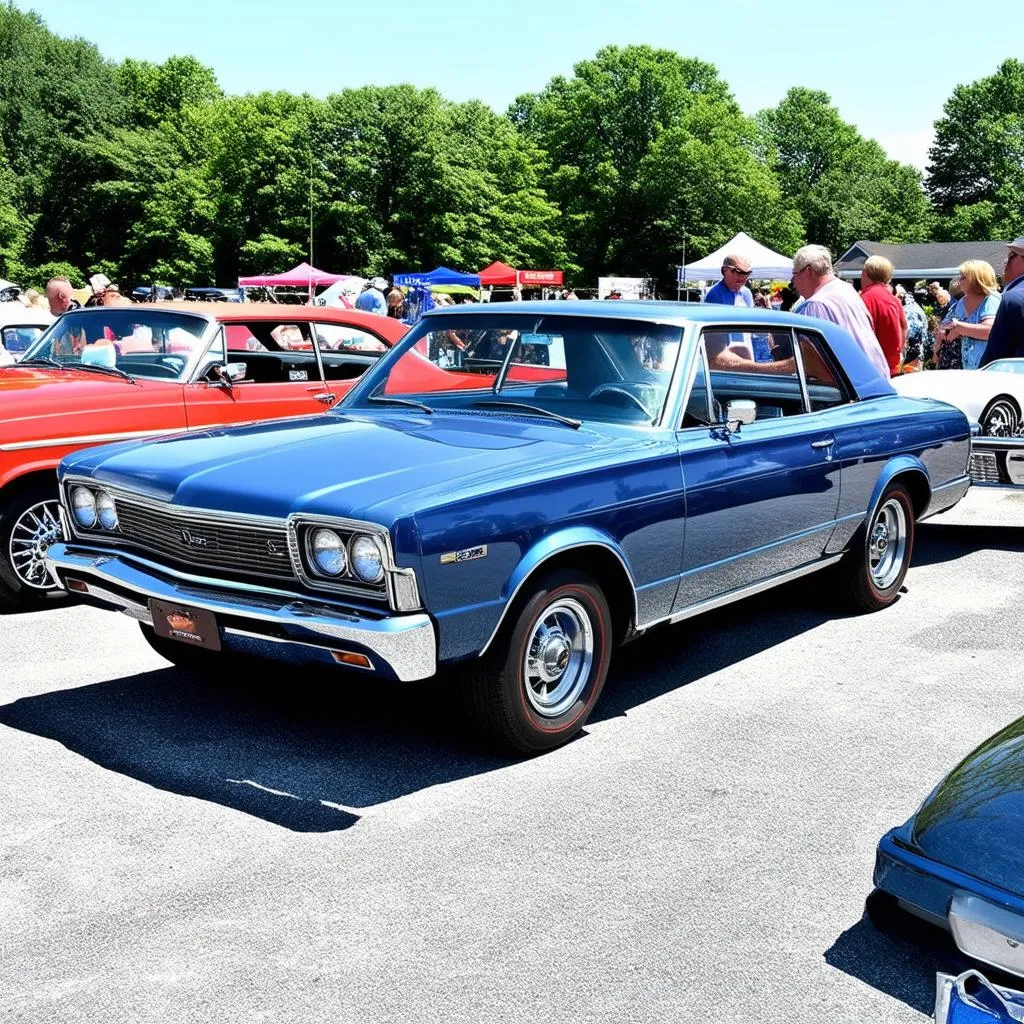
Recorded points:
(152,343)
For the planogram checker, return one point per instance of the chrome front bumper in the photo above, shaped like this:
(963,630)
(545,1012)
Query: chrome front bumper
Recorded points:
(997,461)
(403,646)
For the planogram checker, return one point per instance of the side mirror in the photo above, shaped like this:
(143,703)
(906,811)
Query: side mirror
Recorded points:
(738,412)
(227,374)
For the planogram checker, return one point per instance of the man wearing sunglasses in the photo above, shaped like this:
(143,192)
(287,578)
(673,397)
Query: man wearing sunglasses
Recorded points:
(732,290)
(1006,340)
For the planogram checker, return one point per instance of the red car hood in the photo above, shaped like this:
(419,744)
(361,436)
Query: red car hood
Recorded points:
(37,402)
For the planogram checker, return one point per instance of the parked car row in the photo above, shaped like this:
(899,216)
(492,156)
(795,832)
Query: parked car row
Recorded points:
(502,495)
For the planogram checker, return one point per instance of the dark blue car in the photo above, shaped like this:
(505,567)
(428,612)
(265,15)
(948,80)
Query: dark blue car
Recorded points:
(959,861)
(512,491)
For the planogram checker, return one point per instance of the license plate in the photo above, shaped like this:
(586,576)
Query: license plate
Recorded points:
(189,625)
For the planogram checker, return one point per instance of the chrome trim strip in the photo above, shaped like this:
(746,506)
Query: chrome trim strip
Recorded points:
(742,592)
(533,571)
(997,444)
(407,644)
(83,439)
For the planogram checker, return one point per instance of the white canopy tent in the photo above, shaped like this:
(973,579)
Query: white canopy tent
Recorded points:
(764,263)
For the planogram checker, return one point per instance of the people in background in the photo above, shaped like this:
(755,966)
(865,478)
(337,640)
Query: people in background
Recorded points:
(887,316)
(732,290)
(940,299)
(827,298)
(962,336)
(1006,337)
(371,298)
(919,341)
(396,303)
(60,297)
(99,284)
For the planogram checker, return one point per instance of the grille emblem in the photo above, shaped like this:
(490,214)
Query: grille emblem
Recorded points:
(194,540)
(272,548)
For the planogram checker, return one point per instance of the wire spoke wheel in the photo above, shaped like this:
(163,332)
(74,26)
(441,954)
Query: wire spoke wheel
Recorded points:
(887,544)
(1001,419)
(33,532)
(559,656)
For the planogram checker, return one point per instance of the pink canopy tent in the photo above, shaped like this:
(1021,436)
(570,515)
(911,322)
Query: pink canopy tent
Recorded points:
(302,276)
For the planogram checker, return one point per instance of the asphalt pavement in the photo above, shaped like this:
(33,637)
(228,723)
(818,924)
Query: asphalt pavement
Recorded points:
(325,848)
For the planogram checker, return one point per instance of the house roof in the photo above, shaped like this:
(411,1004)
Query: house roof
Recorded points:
(922,259)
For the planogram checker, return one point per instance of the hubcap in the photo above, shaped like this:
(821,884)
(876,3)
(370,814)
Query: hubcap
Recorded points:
(1001,421)
(34,531)
(559,656)
(887,544)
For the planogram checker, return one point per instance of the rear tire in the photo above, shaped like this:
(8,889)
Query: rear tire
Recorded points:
(876,566)
(196,660)
(536,687)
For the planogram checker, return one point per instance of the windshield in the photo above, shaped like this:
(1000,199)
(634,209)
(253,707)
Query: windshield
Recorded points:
(581,368)
(154,343)
(1006,366)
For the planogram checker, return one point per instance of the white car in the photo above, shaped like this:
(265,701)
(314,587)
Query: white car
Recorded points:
(19,327)
(992,397)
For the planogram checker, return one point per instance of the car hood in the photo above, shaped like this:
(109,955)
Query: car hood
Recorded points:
(374,467)
(950,385)
(974,819)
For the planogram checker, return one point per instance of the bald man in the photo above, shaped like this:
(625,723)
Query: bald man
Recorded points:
(60,296)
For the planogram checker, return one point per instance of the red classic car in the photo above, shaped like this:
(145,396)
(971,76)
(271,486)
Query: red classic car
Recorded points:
(118,372)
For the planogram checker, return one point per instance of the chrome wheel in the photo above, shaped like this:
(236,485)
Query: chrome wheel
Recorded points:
(559,657)
(32,534)
(887,544)
(1001,419)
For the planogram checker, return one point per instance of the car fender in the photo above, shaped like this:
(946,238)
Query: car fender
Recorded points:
(548,547)
(897,466)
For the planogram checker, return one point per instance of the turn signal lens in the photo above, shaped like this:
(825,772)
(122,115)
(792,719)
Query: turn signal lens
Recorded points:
(83,507)
(351,658)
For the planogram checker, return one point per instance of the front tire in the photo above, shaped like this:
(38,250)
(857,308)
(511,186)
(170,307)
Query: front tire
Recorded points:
(878,564)
(29,524)
(536,688)
(1001,418)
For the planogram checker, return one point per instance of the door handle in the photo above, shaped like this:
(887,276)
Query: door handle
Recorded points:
(827,442)
(326,398)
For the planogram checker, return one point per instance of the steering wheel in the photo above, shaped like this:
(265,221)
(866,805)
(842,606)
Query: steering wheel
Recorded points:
(618,389)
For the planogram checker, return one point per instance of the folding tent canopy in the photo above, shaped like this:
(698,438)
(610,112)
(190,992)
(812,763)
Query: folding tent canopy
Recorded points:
(301,276)
(763,261)
(499,273)
(439,275)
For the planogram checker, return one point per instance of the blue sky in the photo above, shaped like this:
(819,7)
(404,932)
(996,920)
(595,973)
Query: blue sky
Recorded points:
(889,67)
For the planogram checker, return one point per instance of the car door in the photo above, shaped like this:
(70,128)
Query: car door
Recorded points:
(761,499)
(282,376)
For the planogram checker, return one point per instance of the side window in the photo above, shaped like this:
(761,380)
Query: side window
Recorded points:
(341,338)
(824,385)
(699,411)
(757,366)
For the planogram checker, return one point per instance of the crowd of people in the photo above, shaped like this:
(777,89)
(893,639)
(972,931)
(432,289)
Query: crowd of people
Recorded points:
(974,324)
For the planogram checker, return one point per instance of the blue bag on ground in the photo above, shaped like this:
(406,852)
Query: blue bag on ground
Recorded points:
(972,999)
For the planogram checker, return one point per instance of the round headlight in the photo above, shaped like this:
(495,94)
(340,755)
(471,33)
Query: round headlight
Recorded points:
(367,559)
(328,552)
(83,507)
(106,511)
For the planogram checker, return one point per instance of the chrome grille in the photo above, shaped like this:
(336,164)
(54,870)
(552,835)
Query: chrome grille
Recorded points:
(984,468)
(210,542)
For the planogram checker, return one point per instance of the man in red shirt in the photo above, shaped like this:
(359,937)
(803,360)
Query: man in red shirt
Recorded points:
(885,310)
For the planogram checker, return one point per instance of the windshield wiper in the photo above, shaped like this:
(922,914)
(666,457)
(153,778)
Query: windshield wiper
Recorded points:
(40,361)
(384,400)
(535,409)
(96,368)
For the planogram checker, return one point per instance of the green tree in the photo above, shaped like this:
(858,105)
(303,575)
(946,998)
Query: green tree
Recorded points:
(843,185)
(162,92)
(640,142)
(976,174)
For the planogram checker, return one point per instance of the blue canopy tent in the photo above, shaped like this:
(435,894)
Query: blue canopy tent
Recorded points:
(439,275)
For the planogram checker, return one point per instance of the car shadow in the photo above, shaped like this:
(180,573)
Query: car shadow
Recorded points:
(311,752)
(899,954)
(941,542)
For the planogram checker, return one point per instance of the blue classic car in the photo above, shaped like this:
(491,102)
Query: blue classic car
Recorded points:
(959,861)
(512,491)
